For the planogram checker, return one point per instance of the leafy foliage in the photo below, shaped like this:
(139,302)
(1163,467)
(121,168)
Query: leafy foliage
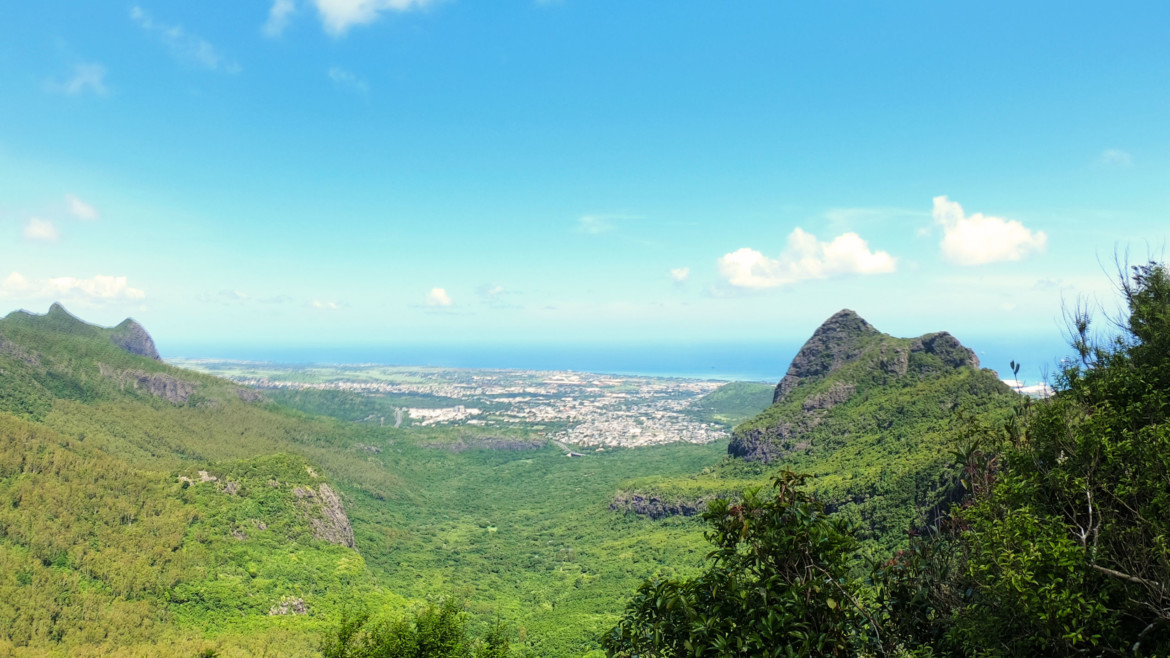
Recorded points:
(104,548)
(1062,549)
(438,631)
(777,586)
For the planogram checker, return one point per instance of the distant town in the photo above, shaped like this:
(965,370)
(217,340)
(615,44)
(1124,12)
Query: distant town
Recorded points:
(579,409)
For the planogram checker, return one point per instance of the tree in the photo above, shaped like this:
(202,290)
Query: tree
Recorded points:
(776,586)
(438,631)
(1067,550)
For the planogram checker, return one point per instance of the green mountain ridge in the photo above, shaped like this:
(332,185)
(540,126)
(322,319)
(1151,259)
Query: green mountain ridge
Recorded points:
(867,414)
(147,509)
(138,515)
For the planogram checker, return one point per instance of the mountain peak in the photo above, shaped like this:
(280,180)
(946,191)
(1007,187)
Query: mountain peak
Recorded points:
(132,337)
(60,317)
(128,335)
(847,360)
(845,323)
(836,342)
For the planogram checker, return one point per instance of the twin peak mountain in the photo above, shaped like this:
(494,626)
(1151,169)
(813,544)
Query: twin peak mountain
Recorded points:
(847,362)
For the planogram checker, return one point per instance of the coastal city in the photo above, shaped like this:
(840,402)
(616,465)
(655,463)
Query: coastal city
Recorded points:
(579,409)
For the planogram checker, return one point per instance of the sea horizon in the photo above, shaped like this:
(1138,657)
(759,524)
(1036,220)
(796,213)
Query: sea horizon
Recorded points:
(751,361)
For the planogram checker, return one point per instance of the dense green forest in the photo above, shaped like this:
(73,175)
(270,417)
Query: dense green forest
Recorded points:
(144,509)
(1055,544)
(114,541)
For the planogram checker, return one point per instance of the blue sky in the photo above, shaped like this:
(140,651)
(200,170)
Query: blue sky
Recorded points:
(372,171)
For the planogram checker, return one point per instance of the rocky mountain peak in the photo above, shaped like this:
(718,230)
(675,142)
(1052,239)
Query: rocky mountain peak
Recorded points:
(132,337)
(61,319)
(947,348)
(844,358)
(836,342)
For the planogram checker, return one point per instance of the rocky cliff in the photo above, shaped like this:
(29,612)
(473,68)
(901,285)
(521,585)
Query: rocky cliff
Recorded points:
(845,359)
(654,506)
(130,336)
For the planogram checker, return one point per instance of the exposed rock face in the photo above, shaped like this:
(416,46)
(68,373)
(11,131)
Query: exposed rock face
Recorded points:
(768,445)
(250,395)
(836,342)
(131,337)
(837,393)
(818,380)
(326,514)
(655,507)
(19,353)
(289,605)
(168,387)
(946,347)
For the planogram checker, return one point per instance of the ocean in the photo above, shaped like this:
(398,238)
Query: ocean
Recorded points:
(731,361)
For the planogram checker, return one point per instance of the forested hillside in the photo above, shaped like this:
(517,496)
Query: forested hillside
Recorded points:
(1055,546)
(871,417)
(144,506)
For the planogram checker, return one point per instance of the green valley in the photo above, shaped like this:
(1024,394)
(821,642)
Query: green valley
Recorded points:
(293,510)
(192,511)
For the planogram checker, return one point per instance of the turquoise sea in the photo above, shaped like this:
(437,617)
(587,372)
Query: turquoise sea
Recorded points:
(732,361)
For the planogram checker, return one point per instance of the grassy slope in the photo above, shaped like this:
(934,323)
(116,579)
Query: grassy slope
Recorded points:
(733,403)
(121,555)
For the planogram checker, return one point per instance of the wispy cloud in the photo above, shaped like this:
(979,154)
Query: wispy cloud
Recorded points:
(680,274)
(325,305)
(850,219)
(498,297)
(337,16)
(41,229)
(243,298)
(804,258)
(80,209)
(96,288)
(979,238)
(185,47)
(279,16)
(1115,158)
(347,80)
(602,223)
(438,297)
(87,77)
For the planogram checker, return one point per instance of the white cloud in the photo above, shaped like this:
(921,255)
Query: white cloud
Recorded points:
(14,282)
(339,15)
(1115,158)
(326,306)
(680,274)
(80,209)
(97,288)
(804,258)
(979,238)
(40,229)
(438,297)
(86,77)
(347,80)
(278,17)
(185,47)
